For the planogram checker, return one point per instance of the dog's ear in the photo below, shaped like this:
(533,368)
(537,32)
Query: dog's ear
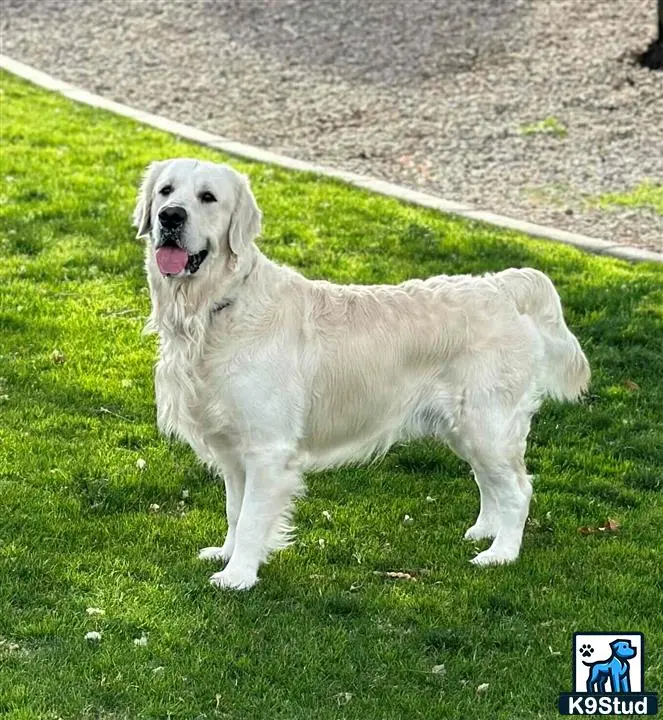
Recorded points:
(245,221)
(143,209)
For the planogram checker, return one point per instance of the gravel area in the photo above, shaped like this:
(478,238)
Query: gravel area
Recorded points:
(445,95)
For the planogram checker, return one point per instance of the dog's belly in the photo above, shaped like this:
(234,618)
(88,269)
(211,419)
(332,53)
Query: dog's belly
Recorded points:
(340,450)
(366,424)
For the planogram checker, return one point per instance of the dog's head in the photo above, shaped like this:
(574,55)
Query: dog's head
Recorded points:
(195,213)
(623,649)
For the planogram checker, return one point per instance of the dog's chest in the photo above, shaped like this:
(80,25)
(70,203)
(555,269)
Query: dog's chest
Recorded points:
(186,394)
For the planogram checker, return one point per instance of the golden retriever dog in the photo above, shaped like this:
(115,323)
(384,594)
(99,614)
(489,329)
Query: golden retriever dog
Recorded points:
(268,375)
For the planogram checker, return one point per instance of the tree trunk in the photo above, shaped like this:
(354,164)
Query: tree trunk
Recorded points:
(652,57)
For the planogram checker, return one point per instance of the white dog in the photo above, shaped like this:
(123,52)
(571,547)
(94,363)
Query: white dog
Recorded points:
(266,374)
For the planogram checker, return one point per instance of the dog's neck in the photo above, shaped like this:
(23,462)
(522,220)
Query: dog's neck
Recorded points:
(183,311)
(181,307)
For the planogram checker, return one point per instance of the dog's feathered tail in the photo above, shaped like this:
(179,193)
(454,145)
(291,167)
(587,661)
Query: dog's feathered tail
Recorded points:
(566,374)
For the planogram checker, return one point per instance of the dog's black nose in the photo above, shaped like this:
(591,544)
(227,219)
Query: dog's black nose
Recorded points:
(172,217)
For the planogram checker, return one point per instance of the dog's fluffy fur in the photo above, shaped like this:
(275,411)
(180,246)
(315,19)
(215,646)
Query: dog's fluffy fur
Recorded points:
(267,374)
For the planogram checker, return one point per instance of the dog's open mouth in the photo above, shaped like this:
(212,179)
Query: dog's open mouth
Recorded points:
(172,259)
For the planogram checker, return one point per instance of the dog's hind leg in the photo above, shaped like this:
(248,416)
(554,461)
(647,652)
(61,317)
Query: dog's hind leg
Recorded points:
(513,490)
(492,437)
(263,524)
(488,521)
(592,681)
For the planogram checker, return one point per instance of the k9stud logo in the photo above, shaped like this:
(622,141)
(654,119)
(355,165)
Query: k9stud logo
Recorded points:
(608,676)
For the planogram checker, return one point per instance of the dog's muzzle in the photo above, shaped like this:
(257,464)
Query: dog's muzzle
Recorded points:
(172,217)
(172,257)
(171,223)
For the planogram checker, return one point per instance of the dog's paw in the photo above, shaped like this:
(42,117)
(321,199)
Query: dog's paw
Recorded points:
(234,579)
(215,553)
(494,557)
(480,532)
(586,650)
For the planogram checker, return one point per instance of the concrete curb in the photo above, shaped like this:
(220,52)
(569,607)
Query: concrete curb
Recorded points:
(249,152)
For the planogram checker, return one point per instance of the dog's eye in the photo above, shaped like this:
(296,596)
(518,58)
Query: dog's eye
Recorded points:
(207,197)
(166,190)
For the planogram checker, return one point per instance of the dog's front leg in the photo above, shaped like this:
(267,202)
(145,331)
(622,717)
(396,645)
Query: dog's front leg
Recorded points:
(616,679)
(626,683)
(263,523)
(234,478)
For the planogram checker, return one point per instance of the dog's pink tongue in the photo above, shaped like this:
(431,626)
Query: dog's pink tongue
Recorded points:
(171,260)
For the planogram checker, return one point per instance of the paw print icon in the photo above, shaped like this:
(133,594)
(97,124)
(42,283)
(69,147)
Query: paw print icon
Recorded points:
(586,650)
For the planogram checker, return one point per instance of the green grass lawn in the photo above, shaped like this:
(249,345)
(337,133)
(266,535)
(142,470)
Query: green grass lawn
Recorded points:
(322,636)
(647,195)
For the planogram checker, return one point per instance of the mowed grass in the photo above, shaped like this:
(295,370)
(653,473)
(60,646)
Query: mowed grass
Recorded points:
(322,636)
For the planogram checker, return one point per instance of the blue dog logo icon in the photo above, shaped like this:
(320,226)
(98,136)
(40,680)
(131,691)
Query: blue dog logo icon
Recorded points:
(615,669)
(608,676)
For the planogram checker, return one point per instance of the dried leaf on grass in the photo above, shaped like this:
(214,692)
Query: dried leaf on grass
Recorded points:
(611,526)
(395,575)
